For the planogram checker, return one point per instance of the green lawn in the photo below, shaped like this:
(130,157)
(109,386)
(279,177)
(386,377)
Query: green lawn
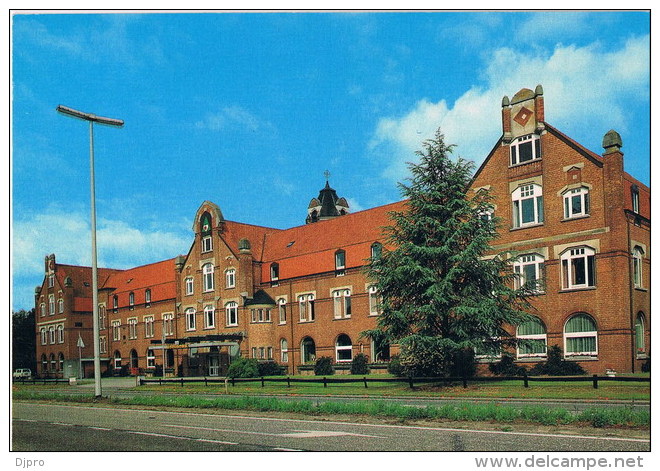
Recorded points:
(607,390)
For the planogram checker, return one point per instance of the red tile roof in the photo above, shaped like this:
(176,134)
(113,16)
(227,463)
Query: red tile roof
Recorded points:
(159,277)
(81,278)
(310,248)
(235,231)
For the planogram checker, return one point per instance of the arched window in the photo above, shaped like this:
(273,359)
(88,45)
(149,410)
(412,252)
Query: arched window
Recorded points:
(51,335)
(533,339)
(60,305)
(191,321)
(44,363)
(578,268)
(529,271)
(60,360)
(60,334)
(638,256)
(525,148)
(343,348)
(284,351)
(308,350)
(576,202)
(640,339)
(44,336)
(527,205)
(134,358)
(53,362)
(580,336)
(231,309)
(207,275)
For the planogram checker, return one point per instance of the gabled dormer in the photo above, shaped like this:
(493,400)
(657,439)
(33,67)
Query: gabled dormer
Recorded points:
(522,125)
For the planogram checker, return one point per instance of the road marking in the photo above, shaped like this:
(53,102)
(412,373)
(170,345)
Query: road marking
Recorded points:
(164,435)
(272,419)
(286,449)
(101,428)
(296,434)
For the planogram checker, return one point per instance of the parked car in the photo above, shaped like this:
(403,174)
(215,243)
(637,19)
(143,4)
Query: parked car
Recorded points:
(23,373)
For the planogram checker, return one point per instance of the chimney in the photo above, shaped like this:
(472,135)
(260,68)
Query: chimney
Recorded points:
(506,120)
(539,108)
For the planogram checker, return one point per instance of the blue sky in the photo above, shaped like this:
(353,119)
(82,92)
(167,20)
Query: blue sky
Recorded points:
(248,110)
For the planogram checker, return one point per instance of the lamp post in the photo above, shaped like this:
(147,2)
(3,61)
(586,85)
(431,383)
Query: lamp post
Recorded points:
(91,118)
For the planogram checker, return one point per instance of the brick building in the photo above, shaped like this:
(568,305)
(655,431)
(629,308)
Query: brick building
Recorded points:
(572,219)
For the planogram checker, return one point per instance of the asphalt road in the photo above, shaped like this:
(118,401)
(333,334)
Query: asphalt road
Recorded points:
(49,427)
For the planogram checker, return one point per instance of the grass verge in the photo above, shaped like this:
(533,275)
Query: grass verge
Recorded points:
(595,417)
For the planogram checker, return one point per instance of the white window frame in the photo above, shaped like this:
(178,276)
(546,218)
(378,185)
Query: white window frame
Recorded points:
(60,333)
(231,313)
(568,270)
(151,358)
(42,308)
(274,273)
(131,300)
(116,360)
(342,306)
(51,304)
(543,337)
(284,351)
(51,335)
(190,285)
(582,195)
(207,276)
(640,320)
(209,317)
(132,327)
(340,263)
(374,301)
(526,260)
(638,260)
(103,344)
(116,330)
(522,194)
(44,336)
(635,199)
(207,243)
(115,303)
(60,305)
(281,310)
(585,334)
(343,348)
(168,324)
(516,144)
(147,297)
(51,281)
(307,307)
(148,326)
(191,319)
(230,278)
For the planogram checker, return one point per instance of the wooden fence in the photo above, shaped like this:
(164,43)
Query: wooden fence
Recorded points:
(325,380)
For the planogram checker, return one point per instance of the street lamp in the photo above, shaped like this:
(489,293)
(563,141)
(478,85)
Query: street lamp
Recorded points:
(95,294)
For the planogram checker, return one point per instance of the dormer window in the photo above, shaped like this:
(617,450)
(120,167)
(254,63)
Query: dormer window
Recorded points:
(376,250)
(635,198)
(147,297)
(274,274)
(340,262)
(115,303)
(131,300)
(525,149)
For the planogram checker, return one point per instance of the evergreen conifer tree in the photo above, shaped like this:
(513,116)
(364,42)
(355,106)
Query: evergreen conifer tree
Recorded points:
(442,295)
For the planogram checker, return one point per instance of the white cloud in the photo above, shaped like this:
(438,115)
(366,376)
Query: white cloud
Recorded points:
(581,85)
(66,233)
(232,116)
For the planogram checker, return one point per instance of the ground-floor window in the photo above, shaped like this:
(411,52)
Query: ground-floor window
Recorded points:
(117,360)
(580,335)
(308,350)
(343,348)
(640,340)
(533,339)
(151,358)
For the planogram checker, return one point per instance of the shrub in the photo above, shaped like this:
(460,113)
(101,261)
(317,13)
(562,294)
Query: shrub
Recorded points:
(394,367)
(646,366)
(506,367)
(243,368)
(269,368)
(323,366)
(423,359)
(556,365)
(360,366)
